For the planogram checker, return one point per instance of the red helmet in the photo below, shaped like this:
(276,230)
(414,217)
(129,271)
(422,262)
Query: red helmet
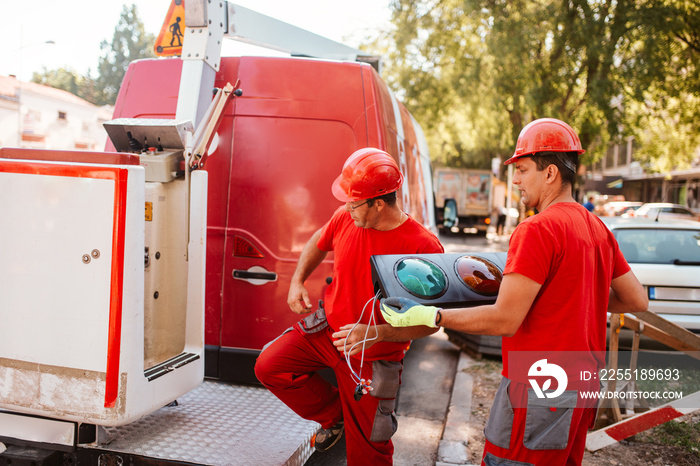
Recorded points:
(546,134)
(367,173)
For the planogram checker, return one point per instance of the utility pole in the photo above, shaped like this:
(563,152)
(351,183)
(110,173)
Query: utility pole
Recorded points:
(20,128)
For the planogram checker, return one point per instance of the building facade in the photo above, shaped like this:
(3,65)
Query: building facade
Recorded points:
(42,117)
(619,174)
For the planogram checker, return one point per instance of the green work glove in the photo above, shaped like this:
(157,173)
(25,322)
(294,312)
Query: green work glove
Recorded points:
(404,312)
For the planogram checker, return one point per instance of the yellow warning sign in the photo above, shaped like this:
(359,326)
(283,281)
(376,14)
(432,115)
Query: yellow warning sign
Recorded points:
(169,41)
(149,211)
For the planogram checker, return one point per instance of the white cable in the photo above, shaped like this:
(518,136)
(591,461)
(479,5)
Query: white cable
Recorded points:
(372,321)
(354,375)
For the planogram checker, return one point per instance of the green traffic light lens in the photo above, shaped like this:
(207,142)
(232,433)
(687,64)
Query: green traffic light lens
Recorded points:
(480,275)
(421,278)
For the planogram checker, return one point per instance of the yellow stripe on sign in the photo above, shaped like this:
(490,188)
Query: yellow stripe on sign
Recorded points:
(149,211)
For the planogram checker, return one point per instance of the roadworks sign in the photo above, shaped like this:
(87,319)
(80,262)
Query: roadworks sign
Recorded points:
(169,41)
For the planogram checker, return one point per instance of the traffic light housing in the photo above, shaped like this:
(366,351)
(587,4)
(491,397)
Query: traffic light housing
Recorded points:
(443,280)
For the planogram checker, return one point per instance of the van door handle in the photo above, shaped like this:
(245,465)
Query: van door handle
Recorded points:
(245,275)
(255,275)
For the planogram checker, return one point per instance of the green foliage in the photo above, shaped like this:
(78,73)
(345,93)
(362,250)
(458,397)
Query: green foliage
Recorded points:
(474,72)
(666,132)
(682,434)
(130,42)
(664,98)
(68,80)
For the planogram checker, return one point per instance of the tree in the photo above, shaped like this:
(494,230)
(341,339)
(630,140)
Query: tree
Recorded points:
(68,80)
(665,103)
(476,71)
(130,42)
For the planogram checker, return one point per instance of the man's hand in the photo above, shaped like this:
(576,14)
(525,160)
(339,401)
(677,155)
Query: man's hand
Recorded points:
(346,337)
(298,298)
(404,312)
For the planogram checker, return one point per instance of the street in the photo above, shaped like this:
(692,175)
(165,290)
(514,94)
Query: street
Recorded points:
(474,243)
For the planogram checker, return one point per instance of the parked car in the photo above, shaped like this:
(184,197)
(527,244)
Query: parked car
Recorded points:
(663,210)
(665,257)
(629,210)
(615,208)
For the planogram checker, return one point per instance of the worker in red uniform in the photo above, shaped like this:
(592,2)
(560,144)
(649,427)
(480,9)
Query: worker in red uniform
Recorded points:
(368,373)
(563,273)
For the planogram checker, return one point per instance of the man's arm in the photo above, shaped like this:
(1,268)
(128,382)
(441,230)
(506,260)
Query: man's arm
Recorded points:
(310,258)
(627,295)
(343,339)
(515,297)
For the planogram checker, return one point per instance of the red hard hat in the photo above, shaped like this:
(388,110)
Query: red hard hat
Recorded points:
(546,134)
(367,173)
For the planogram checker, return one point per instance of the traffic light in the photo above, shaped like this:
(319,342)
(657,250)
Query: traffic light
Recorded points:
(444,280)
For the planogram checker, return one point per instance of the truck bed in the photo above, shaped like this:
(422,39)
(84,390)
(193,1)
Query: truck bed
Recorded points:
(217,424)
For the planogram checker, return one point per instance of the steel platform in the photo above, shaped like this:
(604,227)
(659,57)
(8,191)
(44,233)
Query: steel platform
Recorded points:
(217,424)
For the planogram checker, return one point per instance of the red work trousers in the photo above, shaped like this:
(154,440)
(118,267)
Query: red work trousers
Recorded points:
(288,368)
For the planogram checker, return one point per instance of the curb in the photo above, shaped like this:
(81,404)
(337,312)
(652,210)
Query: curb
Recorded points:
(452,449)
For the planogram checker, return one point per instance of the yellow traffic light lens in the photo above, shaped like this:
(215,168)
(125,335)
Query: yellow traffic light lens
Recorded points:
(480,275)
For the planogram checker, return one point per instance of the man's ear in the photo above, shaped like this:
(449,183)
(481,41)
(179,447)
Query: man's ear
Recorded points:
(380,204)
(551,171)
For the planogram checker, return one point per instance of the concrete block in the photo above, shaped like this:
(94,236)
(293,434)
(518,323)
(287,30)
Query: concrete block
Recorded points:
(453,452)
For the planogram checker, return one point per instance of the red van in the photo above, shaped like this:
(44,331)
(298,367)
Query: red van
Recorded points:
(278,149)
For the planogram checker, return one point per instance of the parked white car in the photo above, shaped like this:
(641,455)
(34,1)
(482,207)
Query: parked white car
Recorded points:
(663,211)
(615,208)
(665,257)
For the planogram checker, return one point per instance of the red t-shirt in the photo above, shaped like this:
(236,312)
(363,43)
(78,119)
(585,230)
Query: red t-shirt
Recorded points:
(352,285)
(574,256)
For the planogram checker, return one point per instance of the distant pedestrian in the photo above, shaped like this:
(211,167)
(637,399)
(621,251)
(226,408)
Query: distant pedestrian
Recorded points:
(501,222)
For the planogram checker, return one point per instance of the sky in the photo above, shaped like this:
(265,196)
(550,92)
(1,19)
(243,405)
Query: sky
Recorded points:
(79,26)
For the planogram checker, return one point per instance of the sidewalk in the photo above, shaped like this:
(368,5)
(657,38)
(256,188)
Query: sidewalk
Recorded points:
(434,406)
(424,399)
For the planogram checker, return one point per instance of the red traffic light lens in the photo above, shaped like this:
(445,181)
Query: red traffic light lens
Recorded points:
(480,275)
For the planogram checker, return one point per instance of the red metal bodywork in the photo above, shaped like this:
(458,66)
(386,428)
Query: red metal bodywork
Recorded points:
(280,146)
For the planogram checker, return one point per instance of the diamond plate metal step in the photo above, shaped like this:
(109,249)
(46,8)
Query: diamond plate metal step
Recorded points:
(219,424)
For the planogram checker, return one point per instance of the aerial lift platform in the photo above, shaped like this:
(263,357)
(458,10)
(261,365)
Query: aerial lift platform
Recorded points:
(61,404)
